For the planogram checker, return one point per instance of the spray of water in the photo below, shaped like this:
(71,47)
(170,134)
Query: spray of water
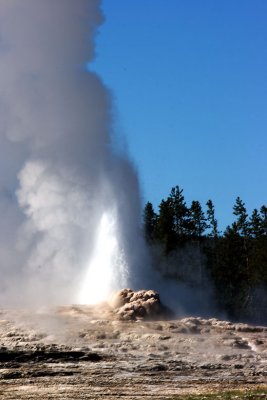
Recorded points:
(70,203)
(107,269)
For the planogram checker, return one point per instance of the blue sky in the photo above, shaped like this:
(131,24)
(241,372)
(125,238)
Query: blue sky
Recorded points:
(189,80)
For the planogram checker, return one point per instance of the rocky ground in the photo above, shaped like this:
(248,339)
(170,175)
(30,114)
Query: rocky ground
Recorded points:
(83,352)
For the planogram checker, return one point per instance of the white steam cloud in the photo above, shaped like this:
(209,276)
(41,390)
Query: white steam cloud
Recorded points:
(59,171)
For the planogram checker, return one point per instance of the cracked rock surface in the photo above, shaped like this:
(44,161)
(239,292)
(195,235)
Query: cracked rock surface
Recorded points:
(86,352)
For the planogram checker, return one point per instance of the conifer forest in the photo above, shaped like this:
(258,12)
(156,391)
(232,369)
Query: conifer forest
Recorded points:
(187,246)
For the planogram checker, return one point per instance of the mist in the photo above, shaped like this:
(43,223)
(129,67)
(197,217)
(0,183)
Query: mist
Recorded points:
(69,194)
(60,171)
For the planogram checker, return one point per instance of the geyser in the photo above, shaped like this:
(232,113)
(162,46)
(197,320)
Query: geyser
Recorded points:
(107,269)
(70,207)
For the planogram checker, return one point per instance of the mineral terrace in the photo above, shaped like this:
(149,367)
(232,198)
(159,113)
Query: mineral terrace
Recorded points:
(125,349)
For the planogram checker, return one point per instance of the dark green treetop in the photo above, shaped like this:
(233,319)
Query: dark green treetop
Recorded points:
(256,224)
(197,219)
(213,223)
(150,220)
(241,224)
(165,229)
(180,211)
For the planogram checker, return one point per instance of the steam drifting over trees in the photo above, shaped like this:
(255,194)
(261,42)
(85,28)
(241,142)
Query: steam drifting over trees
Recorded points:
(192,250)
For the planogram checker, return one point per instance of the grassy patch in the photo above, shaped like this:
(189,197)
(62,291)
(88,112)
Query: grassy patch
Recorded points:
(260,394)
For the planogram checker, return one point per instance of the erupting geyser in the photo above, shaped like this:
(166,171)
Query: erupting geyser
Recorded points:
(70,207)
(107,269)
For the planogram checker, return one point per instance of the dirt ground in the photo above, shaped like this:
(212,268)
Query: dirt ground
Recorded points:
(83,352)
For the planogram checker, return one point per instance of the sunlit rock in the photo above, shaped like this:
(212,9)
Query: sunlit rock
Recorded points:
(143,304)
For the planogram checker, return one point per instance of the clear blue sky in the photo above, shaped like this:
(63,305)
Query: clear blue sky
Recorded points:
(189,79)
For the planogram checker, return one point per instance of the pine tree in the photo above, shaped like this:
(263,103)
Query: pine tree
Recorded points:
(256,224)
(180,211)
(240,211)
(213,223)
(165,230)
(198,220)
(150,220)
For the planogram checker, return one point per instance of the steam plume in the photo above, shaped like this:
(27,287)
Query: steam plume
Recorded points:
(59,170)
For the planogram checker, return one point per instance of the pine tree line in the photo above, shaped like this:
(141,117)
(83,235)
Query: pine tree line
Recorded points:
(187,246)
